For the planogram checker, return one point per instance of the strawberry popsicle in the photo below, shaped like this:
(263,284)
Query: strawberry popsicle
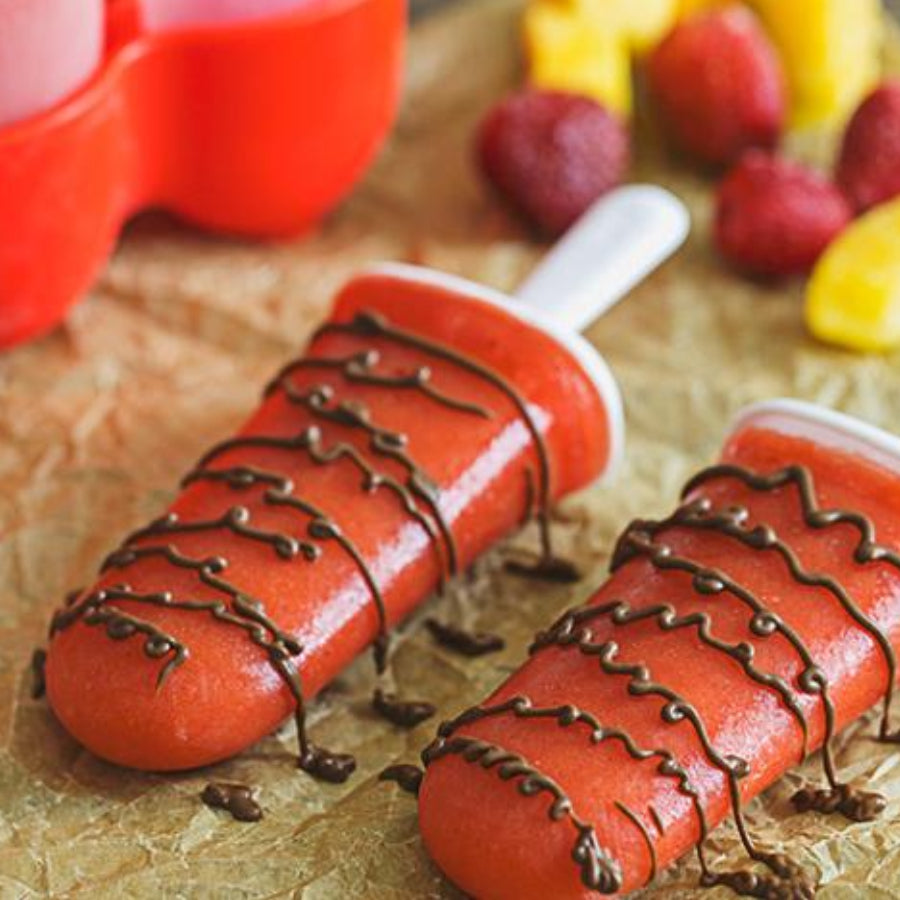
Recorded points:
(731,640)
(429,418)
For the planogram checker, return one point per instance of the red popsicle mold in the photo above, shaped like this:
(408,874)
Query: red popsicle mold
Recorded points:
(253,129)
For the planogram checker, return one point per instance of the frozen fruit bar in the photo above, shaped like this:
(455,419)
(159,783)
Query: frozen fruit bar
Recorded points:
(732,639)
(427,420)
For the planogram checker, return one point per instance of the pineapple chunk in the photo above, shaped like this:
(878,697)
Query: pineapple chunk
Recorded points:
(831,52)
(853,299)
(569,50)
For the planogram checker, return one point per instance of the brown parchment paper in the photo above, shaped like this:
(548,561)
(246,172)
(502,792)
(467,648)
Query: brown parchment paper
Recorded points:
(169,353)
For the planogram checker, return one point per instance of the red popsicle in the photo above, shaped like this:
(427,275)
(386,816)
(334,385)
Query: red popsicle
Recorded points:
(731,640)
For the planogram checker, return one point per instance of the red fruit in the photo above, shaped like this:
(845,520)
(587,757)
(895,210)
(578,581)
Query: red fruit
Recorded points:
(552,154)
(869,165)
(775,217)
(718,85)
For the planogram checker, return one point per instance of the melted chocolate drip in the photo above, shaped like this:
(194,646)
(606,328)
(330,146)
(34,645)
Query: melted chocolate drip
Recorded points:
(636,541)
(547,568)
(571,631)
(851,802)
(242,611)
(731,523)
(635,820)
(310,441)
(404,713)
(335,768)
(868,550)
(370,324)
(599,871)
(567,716)
(408,778)
(38,680)
(785,881)
(467,643)
(234,798)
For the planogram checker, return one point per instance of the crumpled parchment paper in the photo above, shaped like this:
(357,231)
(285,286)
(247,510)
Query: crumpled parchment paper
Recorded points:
(169,353)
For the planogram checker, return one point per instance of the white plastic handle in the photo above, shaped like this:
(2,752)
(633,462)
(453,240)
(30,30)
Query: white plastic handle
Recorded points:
(618,242)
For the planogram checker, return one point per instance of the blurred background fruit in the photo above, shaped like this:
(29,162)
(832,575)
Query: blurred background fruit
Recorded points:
(869,165)
(718,86)
(552,154)
(853,299)
(831,53)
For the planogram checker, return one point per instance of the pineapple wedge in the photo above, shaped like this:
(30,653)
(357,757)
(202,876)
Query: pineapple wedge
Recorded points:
(570,50)
(853,298)
(831,52)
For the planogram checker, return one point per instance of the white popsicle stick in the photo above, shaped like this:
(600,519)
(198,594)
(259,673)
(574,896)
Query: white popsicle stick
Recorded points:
(163,15)
(621,239)
(48,49)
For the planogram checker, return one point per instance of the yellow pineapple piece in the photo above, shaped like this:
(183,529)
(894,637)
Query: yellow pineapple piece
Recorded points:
(642,24)
(853,299)
(570,51)
(831,51)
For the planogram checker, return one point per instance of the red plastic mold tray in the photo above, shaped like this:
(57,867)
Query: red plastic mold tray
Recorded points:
(254,129)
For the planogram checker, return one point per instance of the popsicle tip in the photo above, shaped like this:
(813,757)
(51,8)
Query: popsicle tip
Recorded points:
(823,425)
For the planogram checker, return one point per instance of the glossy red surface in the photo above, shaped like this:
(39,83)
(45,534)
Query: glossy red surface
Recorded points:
(227,696)
(464,809)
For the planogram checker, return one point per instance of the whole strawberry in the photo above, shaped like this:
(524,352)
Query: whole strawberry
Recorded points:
(719,87)
(552,154)
(774,217)
(869,165)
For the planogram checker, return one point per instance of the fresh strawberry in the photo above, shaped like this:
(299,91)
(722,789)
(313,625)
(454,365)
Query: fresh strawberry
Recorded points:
(552,154)
(718,85)
(869,166)
(774,217)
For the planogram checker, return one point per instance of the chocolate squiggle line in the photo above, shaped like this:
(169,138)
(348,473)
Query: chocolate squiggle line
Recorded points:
(570,631)
(666,616)
(868,550)
(764,623)
(370,324)
(567,716)
(320,528)
(310,441)
(121,626)
(731,523)
(359,368)
(382,442)
(236,521)
(635,820)
(599,872)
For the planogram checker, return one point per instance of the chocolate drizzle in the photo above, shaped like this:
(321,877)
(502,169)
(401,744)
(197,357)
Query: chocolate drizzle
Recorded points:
(635,820)
(374,325)
(467,643)
(732,523)
(642,539)
(359,368)
(408,778)
(599,871)
(868,550)
(418,495)
(38,679)
(234,798)
(404,713)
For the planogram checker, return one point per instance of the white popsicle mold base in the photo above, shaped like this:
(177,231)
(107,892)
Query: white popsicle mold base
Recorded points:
(583,353)
(824,426)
